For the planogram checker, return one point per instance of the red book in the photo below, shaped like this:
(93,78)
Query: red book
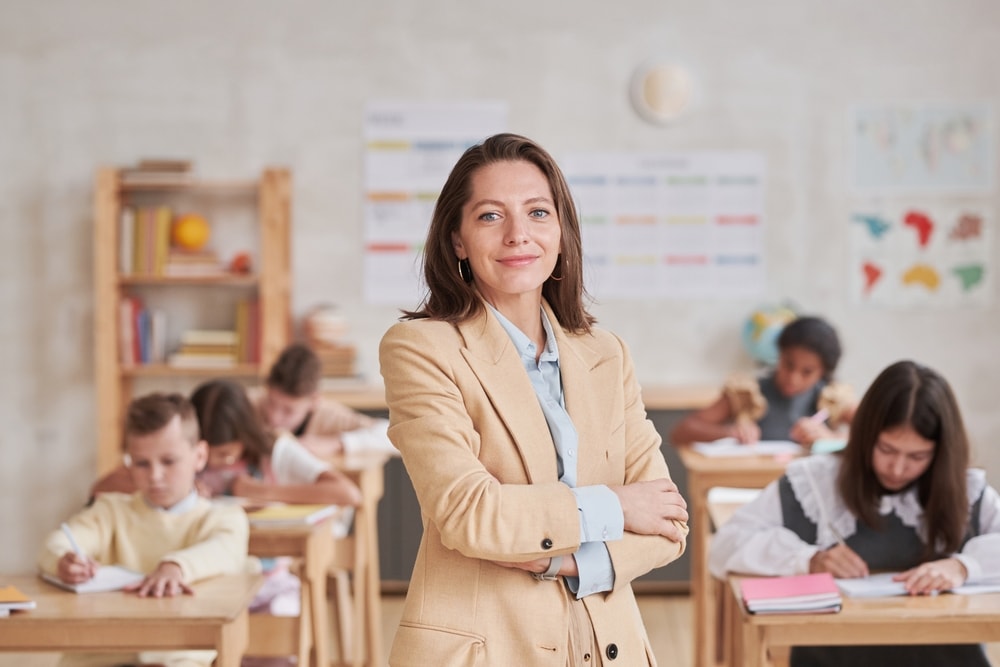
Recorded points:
(795,594)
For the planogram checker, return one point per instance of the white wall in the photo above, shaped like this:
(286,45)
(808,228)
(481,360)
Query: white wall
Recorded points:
(237,84)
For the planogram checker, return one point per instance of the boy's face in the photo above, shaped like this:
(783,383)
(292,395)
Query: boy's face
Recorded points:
(798,370)
(163,464)
(284,412)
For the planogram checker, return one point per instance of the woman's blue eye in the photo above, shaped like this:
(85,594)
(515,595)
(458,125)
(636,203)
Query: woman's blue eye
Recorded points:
(489,217)
(539,213)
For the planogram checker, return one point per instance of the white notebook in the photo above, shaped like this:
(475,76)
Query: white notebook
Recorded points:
(732,447)
(108,578)
(882,585)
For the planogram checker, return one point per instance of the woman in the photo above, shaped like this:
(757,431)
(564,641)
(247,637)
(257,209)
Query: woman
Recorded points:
(900,497)
(523,431)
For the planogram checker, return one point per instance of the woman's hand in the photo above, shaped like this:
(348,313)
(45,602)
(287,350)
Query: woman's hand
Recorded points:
(840,561)
(937,575)
(651,508)
(165,581)
(74,569)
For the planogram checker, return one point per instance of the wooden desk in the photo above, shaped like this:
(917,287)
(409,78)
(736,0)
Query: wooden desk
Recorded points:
(214,618)
(705,472)
(941,619)
(367,469)
(309,632)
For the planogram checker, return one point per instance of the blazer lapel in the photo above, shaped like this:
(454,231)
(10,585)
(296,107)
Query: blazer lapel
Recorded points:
(587,393)
(493,358)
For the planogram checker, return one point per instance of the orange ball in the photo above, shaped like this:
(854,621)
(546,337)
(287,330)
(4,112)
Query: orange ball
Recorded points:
(190,231)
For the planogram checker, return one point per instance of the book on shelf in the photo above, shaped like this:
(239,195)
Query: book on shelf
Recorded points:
(182,360)
(108,578)
(797,594)
(282,515)
(144,240)
(12,599)
(209,337)
(142,333)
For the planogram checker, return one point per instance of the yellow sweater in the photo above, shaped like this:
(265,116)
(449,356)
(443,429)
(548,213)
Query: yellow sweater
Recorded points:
(122,529)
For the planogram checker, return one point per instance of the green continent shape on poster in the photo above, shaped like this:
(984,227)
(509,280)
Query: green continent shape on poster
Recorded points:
(970,275)
(922,274)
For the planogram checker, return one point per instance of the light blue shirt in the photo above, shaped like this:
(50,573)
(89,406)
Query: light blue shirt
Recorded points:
(601,517)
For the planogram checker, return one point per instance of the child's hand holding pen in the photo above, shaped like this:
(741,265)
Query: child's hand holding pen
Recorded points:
(74,566)
(839,560)
(810,429)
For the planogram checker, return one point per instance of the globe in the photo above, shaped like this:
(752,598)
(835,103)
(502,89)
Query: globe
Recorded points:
(761,330)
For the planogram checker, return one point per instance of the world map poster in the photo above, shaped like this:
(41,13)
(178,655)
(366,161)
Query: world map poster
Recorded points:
(911,254)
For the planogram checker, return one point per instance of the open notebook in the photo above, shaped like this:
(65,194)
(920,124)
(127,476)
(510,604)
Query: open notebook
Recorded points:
(108,578)
(882,585)
(732,447)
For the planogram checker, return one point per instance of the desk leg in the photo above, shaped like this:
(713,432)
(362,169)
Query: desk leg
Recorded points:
(754,647)
(317,561)
(368,584)
(233,640)
(701,590)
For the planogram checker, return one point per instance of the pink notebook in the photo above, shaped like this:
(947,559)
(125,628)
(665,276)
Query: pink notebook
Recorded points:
(799,593)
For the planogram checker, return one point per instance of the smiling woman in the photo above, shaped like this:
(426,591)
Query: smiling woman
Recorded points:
(521,425)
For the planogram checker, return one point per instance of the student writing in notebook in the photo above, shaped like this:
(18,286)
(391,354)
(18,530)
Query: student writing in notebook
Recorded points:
(245,460)
(798,400)
(290,401)
(164,529)
(899,497)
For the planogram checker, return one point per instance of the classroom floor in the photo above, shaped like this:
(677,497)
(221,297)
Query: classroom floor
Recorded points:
(667,617)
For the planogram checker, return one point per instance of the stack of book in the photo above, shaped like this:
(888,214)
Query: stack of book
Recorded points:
(276,516)
(337,360)
(201,263)
(144,242)
(206,348)
(12,599)
(800,594)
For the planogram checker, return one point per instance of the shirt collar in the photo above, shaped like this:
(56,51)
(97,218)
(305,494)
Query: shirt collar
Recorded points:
(181,506)
(524,346)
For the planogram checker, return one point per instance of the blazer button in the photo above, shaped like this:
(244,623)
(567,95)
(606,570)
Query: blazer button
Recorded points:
(611,651)
(546,543)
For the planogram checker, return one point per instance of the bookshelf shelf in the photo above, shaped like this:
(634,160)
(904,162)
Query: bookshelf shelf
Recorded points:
(256,214)
(166,370)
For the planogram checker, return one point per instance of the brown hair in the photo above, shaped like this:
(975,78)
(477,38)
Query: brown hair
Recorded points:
(226,415)
(816,335)
(296,372)
(908,394)
(148,414)
(449,297)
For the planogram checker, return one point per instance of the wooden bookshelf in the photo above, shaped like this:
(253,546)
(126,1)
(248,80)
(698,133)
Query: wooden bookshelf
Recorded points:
(269,202)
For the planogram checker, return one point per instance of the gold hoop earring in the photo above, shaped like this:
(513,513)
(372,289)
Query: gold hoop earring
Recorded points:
(465,270)
(553,274)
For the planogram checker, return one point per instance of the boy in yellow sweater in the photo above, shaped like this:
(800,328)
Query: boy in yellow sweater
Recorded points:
(164,529)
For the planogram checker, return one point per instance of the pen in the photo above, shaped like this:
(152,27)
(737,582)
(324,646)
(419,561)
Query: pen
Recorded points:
(72,541)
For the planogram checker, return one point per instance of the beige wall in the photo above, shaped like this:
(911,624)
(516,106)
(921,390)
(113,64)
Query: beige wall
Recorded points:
(236,84)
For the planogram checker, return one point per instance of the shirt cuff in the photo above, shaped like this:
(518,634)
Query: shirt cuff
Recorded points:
(597,574)
(972,568)
(601,517)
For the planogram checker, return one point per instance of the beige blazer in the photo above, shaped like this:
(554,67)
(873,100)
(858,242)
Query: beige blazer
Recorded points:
(475,443)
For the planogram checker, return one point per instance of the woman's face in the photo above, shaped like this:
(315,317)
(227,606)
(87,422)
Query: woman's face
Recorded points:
(798,370)
(510,232)
(900,456)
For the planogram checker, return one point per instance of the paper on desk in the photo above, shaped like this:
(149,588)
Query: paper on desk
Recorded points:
(732,447)
(374,438)
(108,578)
(882,585)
